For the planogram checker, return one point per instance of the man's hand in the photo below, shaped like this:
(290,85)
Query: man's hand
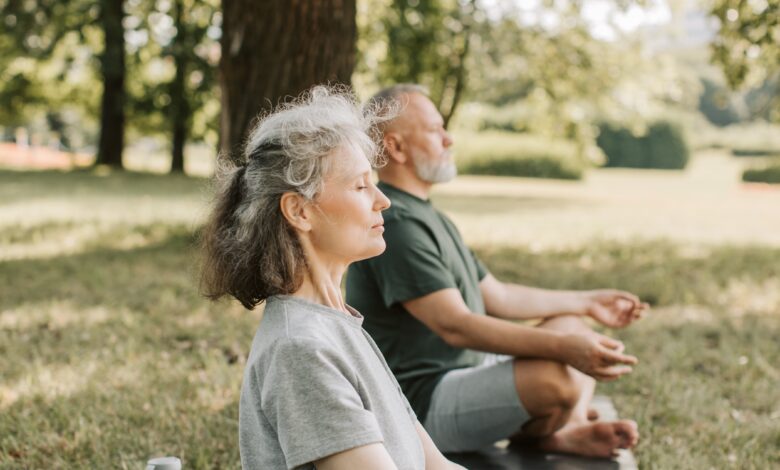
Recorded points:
(596,355)
(614,308)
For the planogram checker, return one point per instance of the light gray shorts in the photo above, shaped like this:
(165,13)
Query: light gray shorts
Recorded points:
(475,407)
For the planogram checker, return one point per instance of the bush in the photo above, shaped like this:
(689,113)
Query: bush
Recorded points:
(535,167)
(755,152)
(511,154)
(769,174)
(663,147)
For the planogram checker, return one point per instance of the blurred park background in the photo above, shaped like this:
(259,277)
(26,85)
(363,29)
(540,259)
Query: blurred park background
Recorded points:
(602,143)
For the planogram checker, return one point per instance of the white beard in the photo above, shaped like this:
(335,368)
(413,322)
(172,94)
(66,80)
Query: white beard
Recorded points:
(434,172)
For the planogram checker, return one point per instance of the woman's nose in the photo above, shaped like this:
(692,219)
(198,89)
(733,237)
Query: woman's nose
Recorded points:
(381,202)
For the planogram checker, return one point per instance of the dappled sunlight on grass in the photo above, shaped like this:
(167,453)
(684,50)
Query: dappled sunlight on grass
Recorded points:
(746,296)
(730,278)
(55,315)
(52,381)
(52,240)
(705,387)
(109,355)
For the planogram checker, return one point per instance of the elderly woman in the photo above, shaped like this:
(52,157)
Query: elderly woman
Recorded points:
(287,222)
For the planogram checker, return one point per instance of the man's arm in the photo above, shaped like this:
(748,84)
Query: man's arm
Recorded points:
(517,302)
(609,307)
(445,312)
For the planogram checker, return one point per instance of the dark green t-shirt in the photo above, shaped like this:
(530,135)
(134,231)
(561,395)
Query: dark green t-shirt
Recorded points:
(425,253)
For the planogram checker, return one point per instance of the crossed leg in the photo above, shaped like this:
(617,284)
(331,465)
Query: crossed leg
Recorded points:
(557,397)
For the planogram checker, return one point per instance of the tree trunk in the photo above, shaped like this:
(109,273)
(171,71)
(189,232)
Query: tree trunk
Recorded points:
(459,76)
(459,73)
(179,110)
(276,49)
(112,114)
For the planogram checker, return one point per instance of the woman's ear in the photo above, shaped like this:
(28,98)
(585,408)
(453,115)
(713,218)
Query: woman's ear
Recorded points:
(394,147)
(296,209)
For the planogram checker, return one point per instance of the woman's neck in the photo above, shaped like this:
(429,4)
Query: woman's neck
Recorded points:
(322,282)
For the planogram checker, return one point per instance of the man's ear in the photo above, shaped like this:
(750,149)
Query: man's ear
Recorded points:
(296,209)
(394,147)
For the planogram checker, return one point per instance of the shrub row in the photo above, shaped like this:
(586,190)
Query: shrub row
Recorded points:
(512,154)
(662,147)
(769,174)
(532,167)
(755,152)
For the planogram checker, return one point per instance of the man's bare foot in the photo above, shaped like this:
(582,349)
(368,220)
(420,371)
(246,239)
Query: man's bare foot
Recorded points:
(593,439)
(593,414)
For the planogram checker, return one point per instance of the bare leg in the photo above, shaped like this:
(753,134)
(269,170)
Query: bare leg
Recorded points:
(558,398)
(553,393)
(584,383)
(548,392)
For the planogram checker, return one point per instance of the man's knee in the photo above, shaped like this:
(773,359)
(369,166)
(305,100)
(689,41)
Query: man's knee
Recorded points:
(546,387)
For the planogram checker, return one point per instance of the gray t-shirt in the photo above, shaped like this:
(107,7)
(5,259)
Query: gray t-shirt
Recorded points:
(316,384)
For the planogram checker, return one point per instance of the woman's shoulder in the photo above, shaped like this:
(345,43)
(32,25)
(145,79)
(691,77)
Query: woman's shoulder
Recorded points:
(289,329)
(307,356)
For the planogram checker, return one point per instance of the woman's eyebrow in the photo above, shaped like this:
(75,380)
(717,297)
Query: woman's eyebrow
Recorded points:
(359,174)
(351,176)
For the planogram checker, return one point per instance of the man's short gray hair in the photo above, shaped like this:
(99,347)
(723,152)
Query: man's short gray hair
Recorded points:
(250,250)
(388,102)
(393,93)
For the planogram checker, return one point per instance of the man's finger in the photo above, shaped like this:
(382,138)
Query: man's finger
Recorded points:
(630,297)
(611,343)
(611,372)
(615,357)
(641,307)
(639,311)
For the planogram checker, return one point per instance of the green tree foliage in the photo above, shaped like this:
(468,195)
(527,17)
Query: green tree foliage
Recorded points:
(52,63)
(42,58)
(560,72)
(173,58)
(43,47)
(422,41)
(747,46)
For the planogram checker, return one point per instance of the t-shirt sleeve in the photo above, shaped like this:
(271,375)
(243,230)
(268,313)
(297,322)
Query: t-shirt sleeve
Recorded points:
(411,266)
(482,270)
(310,397)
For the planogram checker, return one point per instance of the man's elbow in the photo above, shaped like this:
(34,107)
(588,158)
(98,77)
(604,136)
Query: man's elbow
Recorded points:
(454,334)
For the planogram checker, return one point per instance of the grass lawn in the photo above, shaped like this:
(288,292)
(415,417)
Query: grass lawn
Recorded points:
(108,356)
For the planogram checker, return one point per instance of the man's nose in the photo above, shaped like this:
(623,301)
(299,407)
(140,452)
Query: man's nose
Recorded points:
(447,139)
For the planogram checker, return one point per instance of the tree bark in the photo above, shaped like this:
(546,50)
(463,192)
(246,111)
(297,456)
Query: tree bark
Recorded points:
(112,114)
(276,49)
(179,110)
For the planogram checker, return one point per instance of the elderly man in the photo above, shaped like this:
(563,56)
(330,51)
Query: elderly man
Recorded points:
(437,314)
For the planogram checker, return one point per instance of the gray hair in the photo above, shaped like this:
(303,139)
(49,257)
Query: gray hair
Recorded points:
(251,251)
(387,101)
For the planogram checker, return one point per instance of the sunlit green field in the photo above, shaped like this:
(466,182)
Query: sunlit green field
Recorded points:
(108,356)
